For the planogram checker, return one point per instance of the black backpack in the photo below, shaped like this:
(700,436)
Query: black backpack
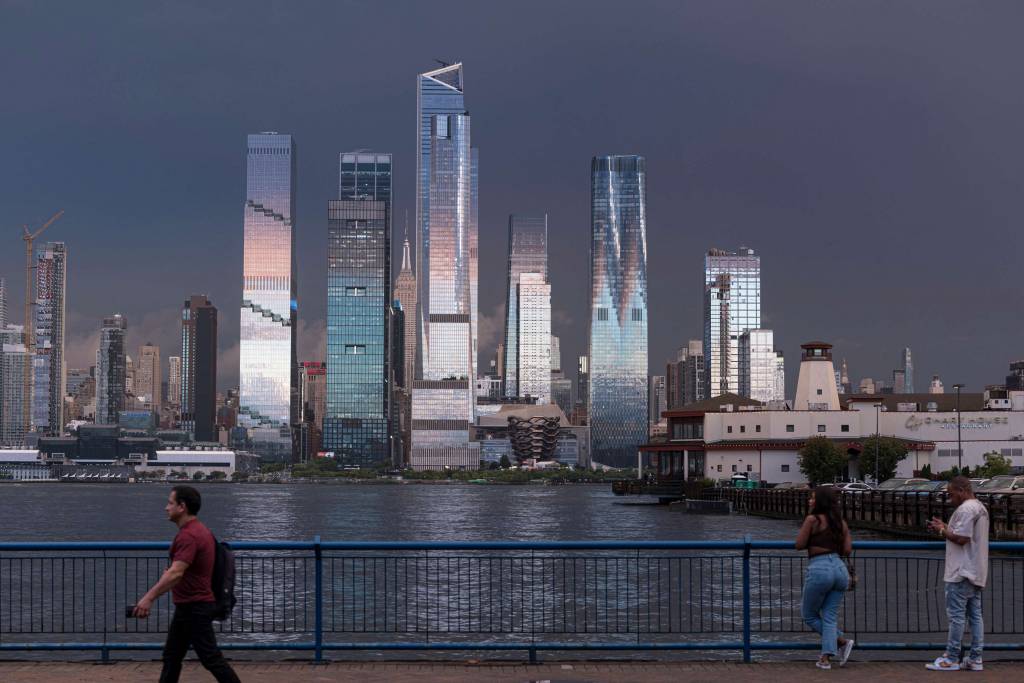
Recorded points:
(223,581)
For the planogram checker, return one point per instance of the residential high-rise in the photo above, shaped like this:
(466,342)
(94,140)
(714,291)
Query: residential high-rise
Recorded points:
(1015,380)
(533,337)
(899,383)
(358,402)
(3,303)
(405,293)
(199,367)
(583,381)
(908,371)
(149,377)
(13,358)
(527,253)
(618,309)
(444,400)
(684,377)
(732,305)
(174,381)
(49,373)
(936,386)
(758,366)
(556,357)
(111,370)
(129,380)
(656,400)
(267,391)
(561,394)
(780,376)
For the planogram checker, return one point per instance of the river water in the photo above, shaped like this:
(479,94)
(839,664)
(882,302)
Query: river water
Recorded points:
(362,511)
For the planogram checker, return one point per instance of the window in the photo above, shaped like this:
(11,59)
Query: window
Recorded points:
(819,392)
(734,468)
(757,428)
(743,429)
(844,428)
(602,314)
(729,429)
(750,468)
(719,468)
(638,315)
(355,349)
(821,429)
(789,428)
(785,468)
(355,291)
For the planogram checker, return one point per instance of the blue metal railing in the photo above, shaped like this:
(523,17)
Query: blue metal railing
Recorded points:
(321,596)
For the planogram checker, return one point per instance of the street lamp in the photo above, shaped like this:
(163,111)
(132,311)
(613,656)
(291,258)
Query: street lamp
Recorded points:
(959,443)
(877,409)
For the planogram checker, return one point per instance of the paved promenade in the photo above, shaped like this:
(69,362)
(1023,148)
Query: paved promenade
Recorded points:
(588,672)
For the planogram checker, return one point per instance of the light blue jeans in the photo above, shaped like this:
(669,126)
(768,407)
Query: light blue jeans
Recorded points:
(963,602)
(824,585)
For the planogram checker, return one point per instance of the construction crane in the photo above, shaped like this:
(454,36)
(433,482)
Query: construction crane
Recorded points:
(30,332)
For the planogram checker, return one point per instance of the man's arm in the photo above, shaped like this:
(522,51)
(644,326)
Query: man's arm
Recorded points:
(171,576)
(943,529)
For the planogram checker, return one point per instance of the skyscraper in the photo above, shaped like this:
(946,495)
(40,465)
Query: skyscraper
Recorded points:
(149,377)
(3,303)
(111,370)
(527,253)
(405,293)
(656,400)
(684,377)
(443,400)
(199,367)
(758,366)
(49,373)
(908,371)
(533,337)
(732,305)
(174,381)
(358,402)
(267,393)
(583,382)
(556,357)
(13,358)
(618,313)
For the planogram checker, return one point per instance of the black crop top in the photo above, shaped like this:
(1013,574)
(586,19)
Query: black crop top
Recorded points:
(824,540)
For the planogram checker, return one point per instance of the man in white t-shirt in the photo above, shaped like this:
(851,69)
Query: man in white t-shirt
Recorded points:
(966,572)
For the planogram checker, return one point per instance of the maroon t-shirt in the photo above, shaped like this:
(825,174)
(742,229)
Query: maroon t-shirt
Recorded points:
(194,544)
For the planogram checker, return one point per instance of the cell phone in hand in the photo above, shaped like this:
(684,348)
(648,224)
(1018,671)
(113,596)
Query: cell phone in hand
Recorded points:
(128,612)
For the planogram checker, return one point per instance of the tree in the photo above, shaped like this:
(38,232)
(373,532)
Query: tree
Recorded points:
(891,452)
(995,465)
(239,476)
(821,461)
(505,463)
(198,476)
(216,476)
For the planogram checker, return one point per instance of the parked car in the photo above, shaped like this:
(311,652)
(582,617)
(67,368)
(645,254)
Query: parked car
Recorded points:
(975,483)
(791,486)
(855,487)
(893,484)
(922,488)
(997,488)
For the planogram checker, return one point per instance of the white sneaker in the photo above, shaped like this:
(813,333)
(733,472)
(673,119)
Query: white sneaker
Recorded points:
(969,664)
(844,654)
(943,663)
(826,665)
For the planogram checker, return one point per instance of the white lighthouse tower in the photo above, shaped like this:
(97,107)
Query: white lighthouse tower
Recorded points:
(816,386)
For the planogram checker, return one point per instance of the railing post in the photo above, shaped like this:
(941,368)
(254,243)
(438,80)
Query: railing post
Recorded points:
(318,615)
(746,599)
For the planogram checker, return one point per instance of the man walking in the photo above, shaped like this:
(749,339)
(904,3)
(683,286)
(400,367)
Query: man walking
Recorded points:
(189,579)
(966,572)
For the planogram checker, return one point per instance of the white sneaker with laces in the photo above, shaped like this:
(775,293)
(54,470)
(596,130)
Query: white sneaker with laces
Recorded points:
(943,663)
(844,654)
(969,664)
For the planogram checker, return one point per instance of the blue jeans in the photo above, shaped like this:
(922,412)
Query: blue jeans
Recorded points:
(963,601)
(824,585)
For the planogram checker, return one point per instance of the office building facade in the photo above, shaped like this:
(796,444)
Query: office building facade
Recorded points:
(617,410)
(758,366)
(356,422)
(533,337)
(267,392)
(732,305)
(527,253)
(111,370)
(199,367)
(149,377)
(908,371)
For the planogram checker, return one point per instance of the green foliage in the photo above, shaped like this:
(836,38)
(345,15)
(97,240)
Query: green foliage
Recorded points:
(271,467)
(239,476)
(890,453)
(821,461)
(926,471)
(505,463)
(198,476)
(216,476)
(995,465)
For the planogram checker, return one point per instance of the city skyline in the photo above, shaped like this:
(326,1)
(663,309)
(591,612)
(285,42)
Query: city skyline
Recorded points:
(804,215)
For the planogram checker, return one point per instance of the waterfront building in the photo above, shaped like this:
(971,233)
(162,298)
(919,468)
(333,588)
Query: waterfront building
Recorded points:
(533,338)
(13,359)
(149,377)
(527,253)
(174,381)
(199,368)
(908,371)
(443,396)
(617,403)
(267,363)
(49,374)
(758,366)
(357,411)
(405,294)
(732,305)
(111,370)
(496,432)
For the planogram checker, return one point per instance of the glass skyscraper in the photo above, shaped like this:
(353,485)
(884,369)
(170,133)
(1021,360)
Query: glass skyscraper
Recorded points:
(908,371)
(618,309)
(527,253)
(267,363)
(533,339)
(111,366)
(49,373)
(732,305)
(199,367)
(357,405)
(758,366)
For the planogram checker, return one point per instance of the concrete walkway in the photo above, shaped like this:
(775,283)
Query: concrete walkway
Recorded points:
(582,672)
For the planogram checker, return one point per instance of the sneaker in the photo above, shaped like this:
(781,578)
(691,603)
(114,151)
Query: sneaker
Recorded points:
(943,663)
(826,665)
(969,664)
(844,654)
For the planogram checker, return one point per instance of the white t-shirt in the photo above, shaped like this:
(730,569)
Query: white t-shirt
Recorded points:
(968,561)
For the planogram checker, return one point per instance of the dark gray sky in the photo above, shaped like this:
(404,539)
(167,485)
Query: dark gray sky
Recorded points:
(870,152)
